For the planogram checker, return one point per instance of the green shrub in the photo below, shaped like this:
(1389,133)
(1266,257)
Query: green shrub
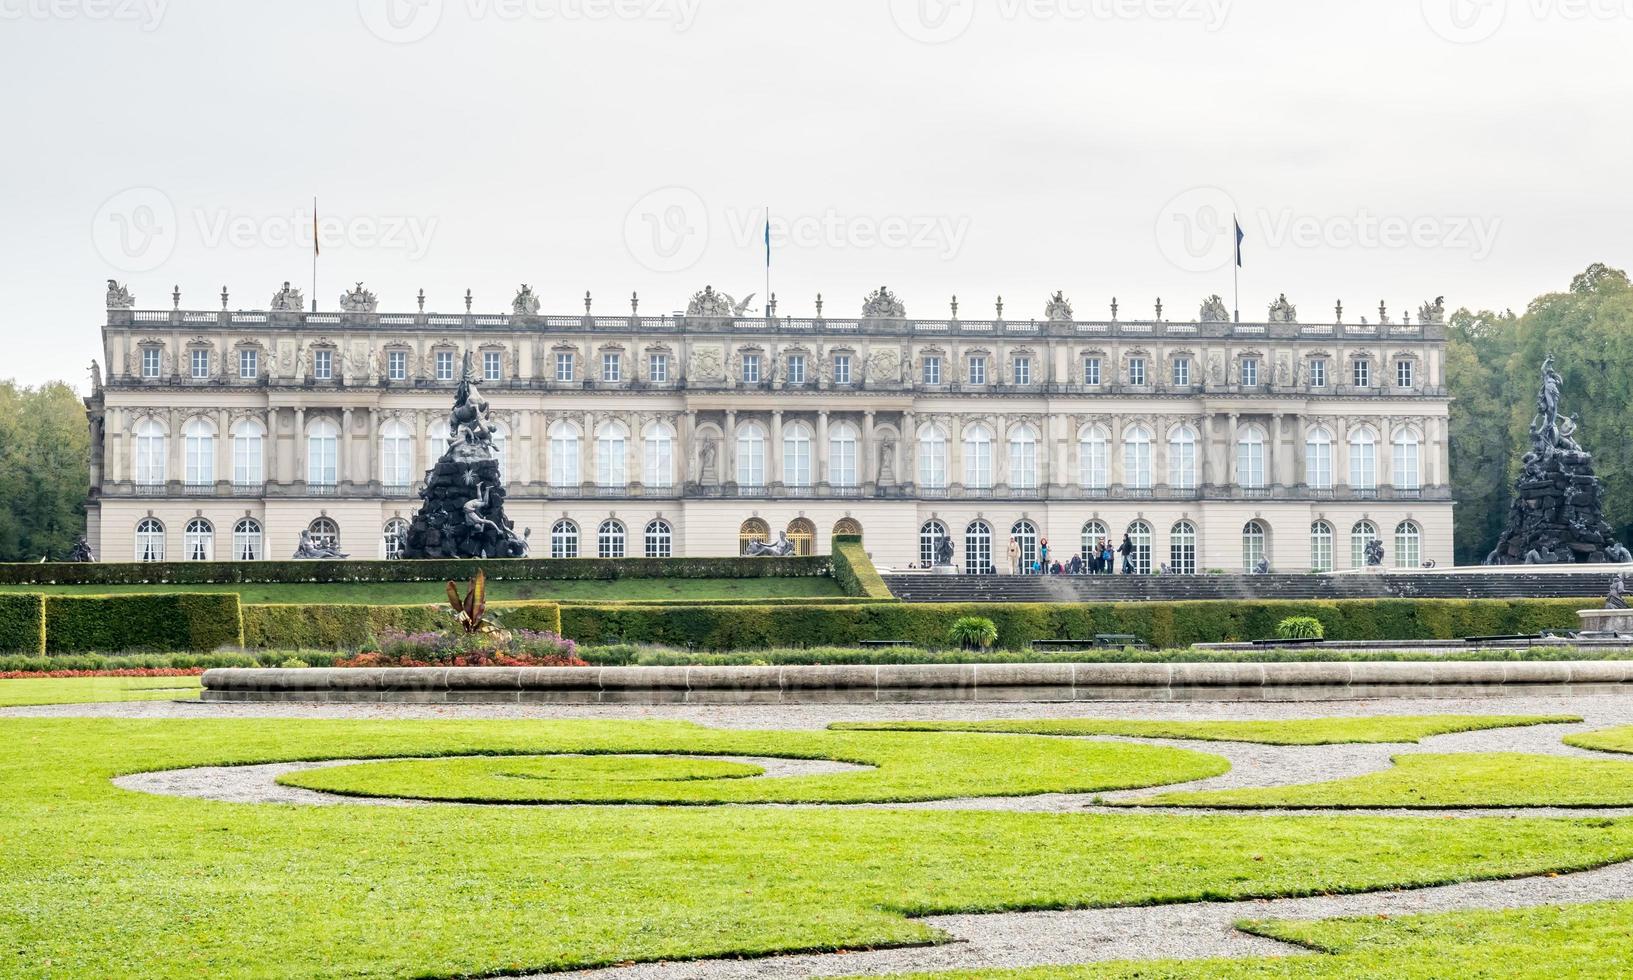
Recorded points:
(22,623)
(854,571)
(160,621)
(1300,628)
(294,663)
(973,633)
(353,627)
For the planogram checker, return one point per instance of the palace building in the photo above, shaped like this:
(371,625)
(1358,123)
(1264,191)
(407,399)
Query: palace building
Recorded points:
(1214,444)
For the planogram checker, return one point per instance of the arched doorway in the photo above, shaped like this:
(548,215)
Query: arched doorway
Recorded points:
(752,530)
(848,525)
(803,535)
(978,548)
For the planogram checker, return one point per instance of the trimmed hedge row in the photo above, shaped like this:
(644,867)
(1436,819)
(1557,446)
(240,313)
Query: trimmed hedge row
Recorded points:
(854,571)
(1175,624)
(344,627)
(173,621)
(498,570)
(22,623)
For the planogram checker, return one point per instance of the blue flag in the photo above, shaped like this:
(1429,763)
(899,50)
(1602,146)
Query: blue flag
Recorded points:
(768,239)
(1240,234)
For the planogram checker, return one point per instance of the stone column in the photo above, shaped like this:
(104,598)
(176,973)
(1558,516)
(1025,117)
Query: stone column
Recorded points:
(819,474)
(1386,453)
(1301,462)
(1340,454)
(1232,478)
(685,448)
(868,465)
(586,450)
(344,462)
(632,452)
(906,460)
(1277,453)
(223,446)
(955,451)
(300,447)
(374,460)
(728,452)
(1204,449)
(1000,453)
(773,462)
(1114,453)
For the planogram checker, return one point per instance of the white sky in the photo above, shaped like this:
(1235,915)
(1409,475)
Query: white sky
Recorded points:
(1084,145)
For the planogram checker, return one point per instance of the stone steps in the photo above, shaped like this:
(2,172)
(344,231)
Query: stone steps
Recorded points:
(1185,588)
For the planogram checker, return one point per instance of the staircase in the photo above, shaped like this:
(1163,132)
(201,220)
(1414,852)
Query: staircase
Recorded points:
(1186,588)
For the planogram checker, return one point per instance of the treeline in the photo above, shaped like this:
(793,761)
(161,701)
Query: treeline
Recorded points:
(44,470)
(1494,362)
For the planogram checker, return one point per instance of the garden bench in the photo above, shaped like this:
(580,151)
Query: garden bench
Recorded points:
(1499,639)
(1064,644)
(1301,642)
(1117,640)
(887,643)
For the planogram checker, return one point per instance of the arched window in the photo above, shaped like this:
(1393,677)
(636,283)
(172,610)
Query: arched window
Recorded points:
(564,539)
(1025,534)
(1094,532)
(659,465)
(1094,457)
(752,530)
(1250,452)
(1408,545)
(1318,459)
(150,453)
(198,450)
(843,443)
(930,535)
(436,439)
(612,456)
(1182,458)
(660,539)
(248,454)
(322,453)
(246,540)
(1363,533)
(394,538)
(803,535)
(978,548)
(796,456)
(978,457)
(1139,535)
(609,539)
(1254,536)
(751,441)
(933,457)
(501,449)
(848,526)
(564,458)
(1321,556)
(1137,458)
(1363,460)
(1406,459)
(396,454)
(1023,458)
(325,532)
(149,540)
(199,540)
(1182,548)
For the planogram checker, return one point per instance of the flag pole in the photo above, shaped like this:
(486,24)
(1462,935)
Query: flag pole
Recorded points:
(767,299)
(314,253)
(1236,270)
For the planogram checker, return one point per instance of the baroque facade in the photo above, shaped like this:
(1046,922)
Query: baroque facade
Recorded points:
(1213,444)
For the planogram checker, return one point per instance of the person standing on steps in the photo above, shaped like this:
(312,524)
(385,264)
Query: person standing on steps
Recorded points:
(1043,554)
(1126,549)
(1014,553)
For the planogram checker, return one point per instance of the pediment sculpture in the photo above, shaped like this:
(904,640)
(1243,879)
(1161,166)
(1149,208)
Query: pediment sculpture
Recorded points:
(119,298)
(882,304)
(1059,308)
(288,299)
(1433,313)
(1282,311)
(358,300)
(712,304)
(526,302)
(1213,310)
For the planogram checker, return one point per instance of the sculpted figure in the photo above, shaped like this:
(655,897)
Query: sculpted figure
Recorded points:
(119,298)
(1213,310)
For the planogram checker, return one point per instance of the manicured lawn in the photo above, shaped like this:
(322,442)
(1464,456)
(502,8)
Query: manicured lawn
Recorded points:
(82,690)
(1486,779)
(1312,731)
(100,881)
(1609,740)
(909,767)
(1545,943)
(416,593)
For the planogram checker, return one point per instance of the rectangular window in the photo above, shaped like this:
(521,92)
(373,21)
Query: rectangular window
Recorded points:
(493,365)
(978,370)
(150,362)
(932,370)
(1182,371)
(445,365)
(323,364)
(1091,371)
(1403,374)
(796,369)
(1363,373)
(1318,373)
(1021,370)
(564,366)
(1136,371)
(396,365)
(657,368)
(249,364)
(1250,371)
(199,361)
(751,369)
(842,369)
(612,366)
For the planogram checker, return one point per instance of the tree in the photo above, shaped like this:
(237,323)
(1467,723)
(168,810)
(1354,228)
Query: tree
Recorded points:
(44,470)
(1478,349)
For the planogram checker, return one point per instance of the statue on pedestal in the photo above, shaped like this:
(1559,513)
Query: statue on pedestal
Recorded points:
(119,298)
(358,300)
(311,548)
(944,550)
(882,304)
(765,549)
(1213,311)
(288,300)
(1282,311)
(1059,308)
(1375,553)
(81,552)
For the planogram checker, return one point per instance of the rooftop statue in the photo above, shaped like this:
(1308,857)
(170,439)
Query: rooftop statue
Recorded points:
(1433,312)
(882,304)
(1059,308)
(712,304)
(1282,311)
(525,303)
(288,299)
(358,300)
(119,298)
(1213,310)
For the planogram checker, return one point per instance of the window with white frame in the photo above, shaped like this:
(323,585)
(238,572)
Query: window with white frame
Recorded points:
(564,366)
(657,368)
(930,535)
(198,361)
(198,452)
(610,539)
(564,455)
(1021,369)
(1360,535)
(322,453)
(564,539)
(248,459)
(1250,459)
(978,457)
(751,369)
(1136,371)
(323,364)
(796,369)
(149,540)
(1321,548)
(1318,372)
(1182,548)
(660,539)
(1023,458)
(978,369)
(396,365)
(1182,458)
(844,442)
(325,532)
(437,438)
(1139,535)
(1250,371)
(394,539)
(198,538)
(1318,458)
(445,365)
(1403,373)
(978,548)
(246,540)
(249,363)
(1094,458)
(842,369)
(1407,458)
(1091,371)
(751,446)
(150,362)
(1253,545)
(1361,372)
(1137,458)
(931,370)
(1093,537)
(150,453)
(1181,372)
(1363,460)
(493,365)
(612,366)
(932,454)
(396,454)
(611,456)
(1408,545)
(658,464)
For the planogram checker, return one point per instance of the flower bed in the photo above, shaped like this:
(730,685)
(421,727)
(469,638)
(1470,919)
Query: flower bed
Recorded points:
(513,648)
(13,675)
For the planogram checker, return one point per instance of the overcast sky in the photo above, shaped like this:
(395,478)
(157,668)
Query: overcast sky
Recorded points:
(1386,150)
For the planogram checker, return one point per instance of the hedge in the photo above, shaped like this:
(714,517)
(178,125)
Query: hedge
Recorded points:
(1171,624)
(498,570)
(352,627)
(22,623)
(854,571)
(171,621)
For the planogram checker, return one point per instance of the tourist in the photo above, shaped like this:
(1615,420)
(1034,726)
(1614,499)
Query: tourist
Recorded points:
(1014,553)
(1108,563)
(1126,549)
(1075,566)
(1043,552)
